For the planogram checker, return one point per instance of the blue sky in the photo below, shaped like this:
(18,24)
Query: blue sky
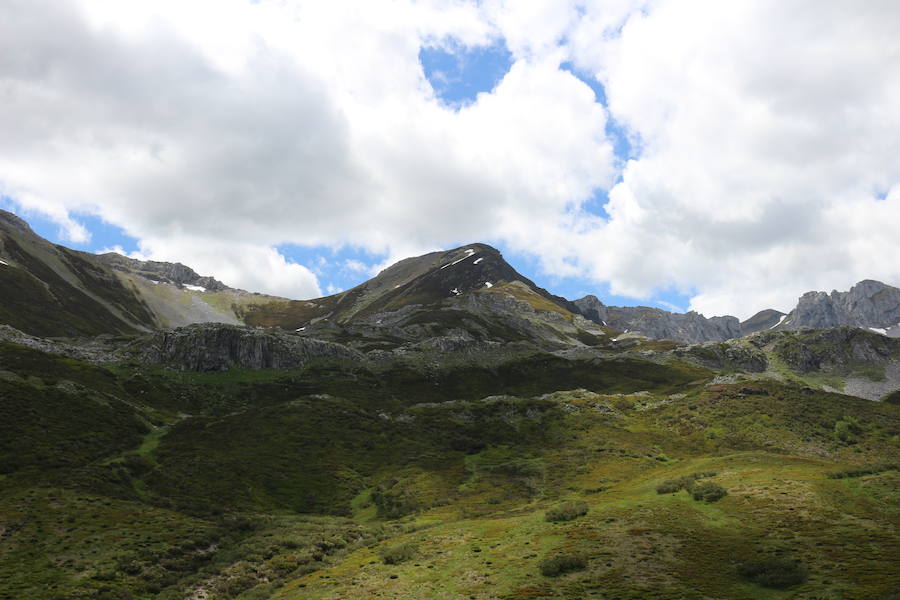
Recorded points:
(457,75)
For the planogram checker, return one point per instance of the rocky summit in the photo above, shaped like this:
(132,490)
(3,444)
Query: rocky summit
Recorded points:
(447,429)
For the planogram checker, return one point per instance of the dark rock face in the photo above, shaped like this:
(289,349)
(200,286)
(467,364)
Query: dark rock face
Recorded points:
(176,273)
(867,304)
(591,307)
(216,347)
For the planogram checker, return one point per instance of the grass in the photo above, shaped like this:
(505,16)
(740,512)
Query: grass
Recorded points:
(98,503)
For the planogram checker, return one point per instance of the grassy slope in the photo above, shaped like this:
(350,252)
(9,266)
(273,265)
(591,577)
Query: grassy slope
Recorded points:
(469,480)
(37,300)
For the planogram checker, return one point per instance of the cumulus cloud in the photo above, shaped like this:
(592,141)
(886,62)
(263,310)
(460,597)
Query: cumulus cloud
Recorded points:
(764,130)
(215,131)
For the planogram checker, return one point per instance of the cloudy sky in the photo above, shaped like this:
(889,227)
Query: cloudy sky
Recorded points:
(707,155)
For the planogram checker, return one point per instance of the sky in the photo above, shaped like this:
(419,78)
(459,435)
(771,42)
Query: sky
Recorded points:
(722,157)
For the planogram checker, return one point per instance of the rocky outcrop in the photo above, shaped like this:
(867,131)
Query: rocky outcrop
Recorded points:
(869,303)
(727,355)
(836,350)
(660,324)
(216,347)
(591,308)
(175,273)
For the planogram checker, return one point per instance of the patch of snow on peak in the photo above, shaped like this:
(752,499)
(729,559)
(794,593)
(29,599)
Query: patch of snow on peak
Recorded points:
(877,330)
(478,260)
(301,329)
(4,263)
(195,288)
(488,284)
(455,291)
(469,253)
(780,321)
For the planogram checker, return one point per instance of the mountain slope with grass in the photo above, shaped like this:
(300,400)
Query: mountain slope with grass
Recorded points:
(536,476)
(445,430)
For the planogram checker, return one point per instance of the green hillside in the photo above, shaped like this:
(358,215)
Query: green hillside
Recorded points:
(130,481)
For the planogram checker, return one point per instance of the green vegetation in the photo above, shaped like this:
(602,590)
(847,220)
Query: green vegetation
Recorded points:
(848,430)
(707,491)
(685,482)
(558,565)
(870,469)
(774,573)
(396,554)
(332,481)
(566,512)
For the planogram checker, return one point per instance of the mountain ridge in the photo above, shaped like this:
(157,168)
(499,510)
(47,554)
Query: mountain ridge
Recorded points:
(112,293)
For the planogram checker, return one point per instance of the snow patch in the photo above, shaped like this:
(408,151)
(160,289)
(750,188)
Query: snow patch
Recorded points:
(455,292)
(195,288)
(488,284)
(877,330)
(469,252)
(780,321)
(478,260)
(4,263)
(301,329)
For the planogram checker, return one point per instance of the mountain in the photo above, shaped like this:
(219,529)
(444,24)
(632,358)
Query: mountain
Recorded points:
(869,304)
(658,324)
(51,290)
(447,429)
(762,321)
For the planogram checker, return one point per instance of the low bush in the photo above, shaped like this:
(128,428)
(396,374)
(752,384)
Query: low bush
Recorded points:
(847,430)
(775,573)
(566,512)
(871,469)
(708,491)
(685,482)
(394,555)
(565,563)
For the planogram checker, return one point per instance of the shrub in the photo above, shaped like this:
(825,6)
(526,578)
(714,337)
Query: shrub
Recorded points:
(565,563)
(774,573)
(394,555)
(685,482)
(566,512)
(847,429)
(708,491)
(871,469)
(669,486)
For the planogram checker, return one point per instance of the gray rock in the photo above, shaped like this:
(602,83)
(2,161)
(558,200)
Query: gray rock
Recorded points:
(868,304)
(660,324)
(176,273)
(217,347)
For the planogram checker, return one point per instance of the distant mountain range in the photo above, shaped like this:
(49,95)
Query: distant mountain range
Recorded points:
(462,295)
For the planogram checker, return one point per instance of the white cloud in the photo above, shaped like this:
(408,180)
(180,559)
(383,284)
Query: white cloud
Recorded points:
(766,132)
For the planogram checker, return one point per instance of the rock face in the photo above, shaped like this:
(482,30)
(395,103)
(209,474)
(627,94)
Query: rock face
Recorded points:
(869,304)
(656,323)
(217,347)
(176,273)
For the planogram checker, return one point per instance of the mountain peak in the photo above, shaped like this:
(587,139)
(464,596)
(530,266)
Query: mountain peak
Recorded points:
(10,221)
